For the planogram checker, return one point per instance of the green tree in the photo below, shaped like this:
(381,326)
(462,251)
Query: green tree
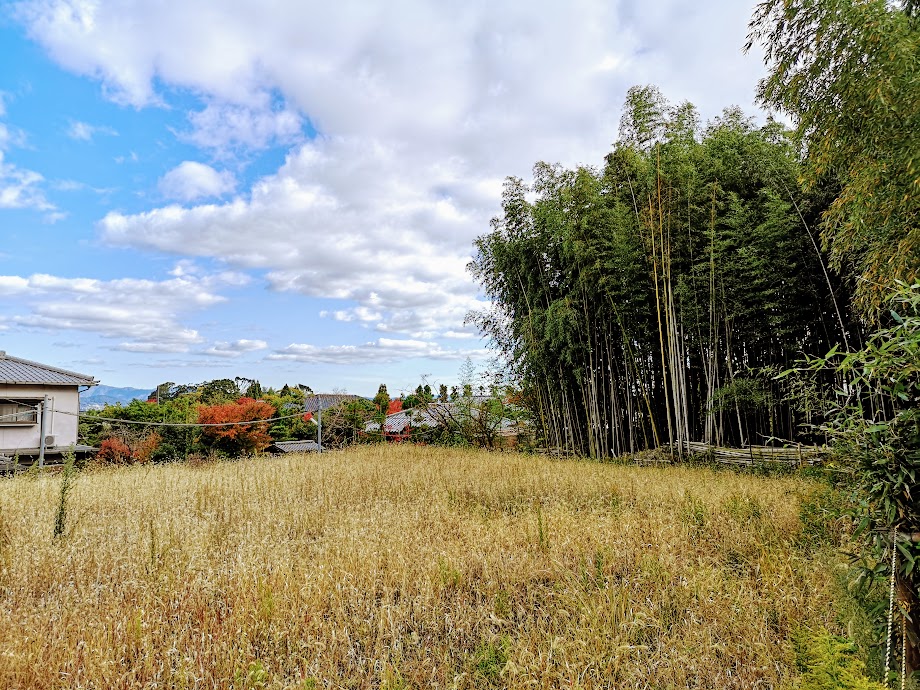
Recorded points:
(253,390)
(846,71)
(382,399)
(171,442)
(289,404)
(219,392)
(344,423)
(420,398)
(633,305)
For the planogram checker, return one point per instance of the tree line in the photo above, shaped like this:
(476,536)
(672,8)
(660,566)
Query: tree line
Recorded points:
(238,417)
(650,301)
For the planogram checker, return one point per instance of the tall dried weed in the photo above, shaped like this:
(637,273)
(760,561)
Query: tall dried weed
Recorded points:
(406,568)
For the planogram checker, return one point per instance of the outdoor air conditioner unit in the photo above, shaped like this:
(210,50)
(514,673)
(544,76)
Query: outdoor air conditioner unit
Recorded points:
(49,441)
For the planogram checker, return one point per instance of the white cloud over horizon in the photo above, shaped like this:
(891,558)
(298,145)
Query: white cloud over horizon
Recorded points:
(380,351)
(389,131)
(144,314)
(236,348)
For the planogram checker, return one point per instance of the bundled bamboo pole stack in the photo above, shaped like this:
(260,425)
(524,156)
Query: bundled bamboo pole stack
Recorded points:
(757,455)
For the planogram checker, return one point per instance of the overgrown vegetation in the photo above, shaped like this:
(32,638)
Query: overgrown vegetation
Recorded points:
(404,566)
(646,302)
(655,300)
(874,421)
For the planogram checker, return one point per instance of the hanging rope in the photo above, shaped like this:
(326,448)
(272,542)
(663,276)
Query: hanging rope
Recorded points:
(894,566)
(903,652)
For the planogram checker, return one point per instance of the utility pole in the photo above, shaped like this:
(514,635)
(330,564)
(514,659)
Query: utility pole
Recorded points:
(43,408)
(319,421)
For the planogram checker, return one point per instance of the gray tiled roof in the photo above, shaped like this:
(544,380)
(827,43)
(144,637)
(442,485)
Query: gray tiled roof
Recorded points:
(312,403)
(295,446)
(24,371)
(396,423)
(432,415)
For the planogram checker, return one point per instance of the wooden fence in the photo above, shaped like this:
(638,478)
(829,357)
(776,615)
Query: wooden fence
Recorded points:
(793,455)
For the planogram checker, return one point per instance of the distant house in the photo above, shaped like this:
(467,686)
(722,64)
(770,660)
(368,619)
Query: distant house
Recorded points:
(398,426)
(323,401)
(38,400)
(466,419)
(283,447)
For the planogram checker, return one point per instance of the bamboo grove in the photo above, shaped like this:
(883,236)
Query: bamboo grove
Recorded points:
(651,301)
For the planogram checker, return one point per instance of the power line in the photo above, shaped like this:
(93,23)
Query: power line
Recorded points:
(18,402)
(90,417)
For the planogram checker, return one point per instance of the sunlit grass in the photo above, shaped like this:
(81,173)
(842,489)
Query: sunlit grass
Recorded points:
(408,567)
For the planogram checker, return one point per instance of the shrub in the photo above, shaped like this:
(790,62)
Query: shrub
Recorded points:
(114,451)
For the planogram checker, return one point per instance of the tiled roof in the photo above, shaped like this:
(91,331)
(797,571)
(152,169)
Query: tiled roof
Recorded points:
(434,414)
(23,371)
(326,400)
(396,423)
(295,446)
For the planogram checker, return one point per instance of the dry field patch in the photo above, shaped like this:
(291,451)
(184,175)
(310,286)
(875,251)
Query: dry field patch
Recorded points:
(408,567)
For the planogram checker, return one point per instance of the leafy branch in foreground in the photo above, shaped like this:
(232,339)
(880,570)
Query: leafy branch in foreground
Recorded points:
(873,420)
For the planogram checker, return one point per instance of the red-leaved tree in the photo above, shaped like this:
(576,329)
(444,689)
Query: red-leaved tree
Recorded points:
(114,451)
(236,439)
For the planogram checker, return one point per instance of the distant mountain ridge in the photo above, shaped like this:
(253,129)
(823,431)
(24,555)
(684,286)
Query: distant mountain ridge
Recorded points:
(98,397)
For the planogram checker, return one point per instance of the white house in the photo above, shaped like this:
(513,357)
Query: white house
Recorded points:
(37,400)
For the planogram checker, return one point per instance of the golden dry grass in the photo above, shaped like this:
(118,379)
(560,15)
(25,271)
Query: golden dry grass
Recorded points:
(407,567)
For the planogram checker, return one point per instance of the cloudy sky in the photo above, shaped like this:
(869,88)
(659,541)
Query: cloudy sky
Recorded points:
(289,190)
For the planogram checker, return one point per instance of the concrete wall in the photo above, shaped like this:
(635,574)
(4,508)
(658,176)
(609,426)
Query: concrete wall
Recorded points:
(62,426)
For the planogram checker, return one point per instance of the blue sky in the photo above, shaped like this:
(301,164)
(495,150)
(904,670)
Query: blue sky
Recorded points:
(289,191)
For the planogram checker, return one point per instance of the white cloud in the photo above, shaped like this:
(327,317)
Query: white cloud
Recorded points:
(236,348)
(191,180)
(337,221)
(21,188)
(142,313)
(83,131)
(380,351)
(460,335)
(225,126)
(422,109)
(132,157)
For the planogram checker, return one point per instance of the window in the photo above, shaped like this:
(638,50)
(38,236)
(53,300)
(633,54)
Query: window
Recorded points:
(15,412)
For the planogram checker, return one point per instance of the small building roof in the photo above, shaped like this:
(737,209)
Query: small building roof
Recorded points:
(317,401)
(24,371)
(295,446)
(432,415)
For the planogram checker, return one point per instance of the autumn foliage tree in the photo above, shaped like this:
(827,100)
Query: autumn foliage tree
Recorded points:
(236,438)
(114,451)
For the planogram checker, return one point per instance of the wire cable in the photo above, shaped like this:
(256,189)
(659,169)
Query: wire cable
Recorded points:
(90,417)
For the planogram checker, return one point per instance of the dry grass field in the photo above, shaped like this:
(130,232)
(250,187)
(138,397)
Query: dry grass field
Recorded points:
(410,567)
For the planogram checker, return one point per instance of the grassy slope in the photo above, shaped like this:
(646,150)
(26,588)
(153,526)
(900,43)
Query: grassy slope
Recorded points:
(407,567)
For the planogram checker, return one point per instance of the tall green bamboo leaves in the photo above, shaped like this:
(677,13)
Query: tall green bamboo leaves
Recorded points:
(625,298)
(846,71)
(874,421)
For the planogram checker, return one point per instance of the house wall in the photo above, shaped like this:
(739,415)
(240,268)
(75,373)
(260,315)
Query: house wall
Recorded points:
(62,426)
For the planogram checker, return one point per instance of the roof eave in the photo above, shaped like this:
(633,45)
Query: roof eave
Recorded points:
(49,383)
